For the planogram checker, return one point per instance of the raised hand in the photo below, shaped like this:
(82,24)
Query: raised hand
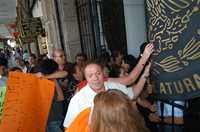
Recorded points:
(148,50)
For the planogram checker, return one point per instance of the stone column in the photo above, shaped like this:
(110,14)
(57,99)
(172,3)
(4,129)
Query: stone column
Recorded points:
(70,28)
(50,24)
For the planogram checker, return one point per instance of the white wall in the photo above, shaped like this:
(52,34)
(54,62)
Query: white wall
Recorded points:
(134,11)
(37,9)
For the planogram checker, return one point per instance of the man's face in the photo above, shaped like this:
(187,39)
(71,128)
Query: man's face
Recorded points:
(59,58)
(95,78)
(18,62)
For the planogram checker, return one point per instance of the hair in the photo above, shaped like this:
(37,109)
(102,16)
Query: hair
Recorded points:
(115,71)
(42,57)
(114,112)
(18,58)
(116,54)
(81,54)
(95,62)
(15,69)
(47,66)
(131,61)
(104,58)
(33,55)
(3,62)
(72,69)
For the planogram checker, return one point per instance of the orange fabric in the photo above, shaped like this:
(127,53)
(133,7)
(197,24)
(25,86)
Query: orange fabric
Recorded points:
(80,124)
(27,103)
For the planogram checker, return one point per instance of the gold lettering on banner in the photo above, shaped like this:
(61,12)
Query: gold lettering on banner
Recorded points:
(189,85)
(185,85)
(162,89)
(179,88)
(169,87)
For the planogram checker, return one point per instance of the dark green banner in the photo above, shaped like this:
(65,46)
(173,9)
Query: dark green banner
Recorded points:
(174,28)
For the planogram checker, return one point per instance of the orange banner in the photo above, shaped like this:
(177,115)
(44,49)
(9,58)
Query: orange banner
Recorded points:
(27,103)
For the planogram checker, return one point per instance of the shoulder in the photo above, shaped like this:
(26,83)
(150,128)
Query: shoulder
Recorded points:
(113,85)
(120,87)
(84,92)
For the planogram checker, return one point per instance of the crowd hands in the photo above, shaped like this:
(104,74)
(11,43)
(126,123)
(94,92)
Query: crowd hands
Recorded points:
(72,78)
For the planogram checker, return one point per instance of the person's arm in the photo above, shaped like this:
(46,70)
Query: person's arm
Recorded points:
(55,75)
(132,77)
(58,74)
(137,88)
(177,120)
(144,103)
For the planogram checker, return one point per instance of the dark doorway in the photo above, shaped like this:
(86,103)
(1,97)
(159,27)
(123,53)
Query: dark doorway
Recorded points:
(102,26)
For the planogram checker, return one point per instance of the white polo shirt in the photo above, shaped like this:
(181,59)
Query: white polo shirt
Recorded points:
(84,99)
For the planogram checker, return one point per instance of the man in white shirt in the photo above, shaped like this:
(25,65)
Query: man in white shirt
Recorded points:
(96,84)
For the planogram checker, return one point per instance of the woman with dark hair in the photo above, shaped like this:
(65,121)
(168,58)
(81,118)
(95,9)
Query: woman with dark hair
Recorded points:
(128,63)
(81,59)
(114,112)
(117,57)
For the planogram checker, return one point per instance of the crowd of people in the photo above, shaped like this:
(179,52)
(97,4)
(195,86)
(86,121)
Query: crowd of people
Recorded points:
(112,93)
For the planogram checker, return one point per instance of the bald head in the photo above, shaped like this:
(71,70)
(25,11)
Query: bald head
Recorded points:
(59,56)
(56,51)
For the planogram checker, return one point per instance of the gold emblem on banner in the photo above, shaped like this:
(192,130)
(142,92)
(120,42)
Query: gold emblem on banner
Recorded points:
(166,30)
(188,53)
